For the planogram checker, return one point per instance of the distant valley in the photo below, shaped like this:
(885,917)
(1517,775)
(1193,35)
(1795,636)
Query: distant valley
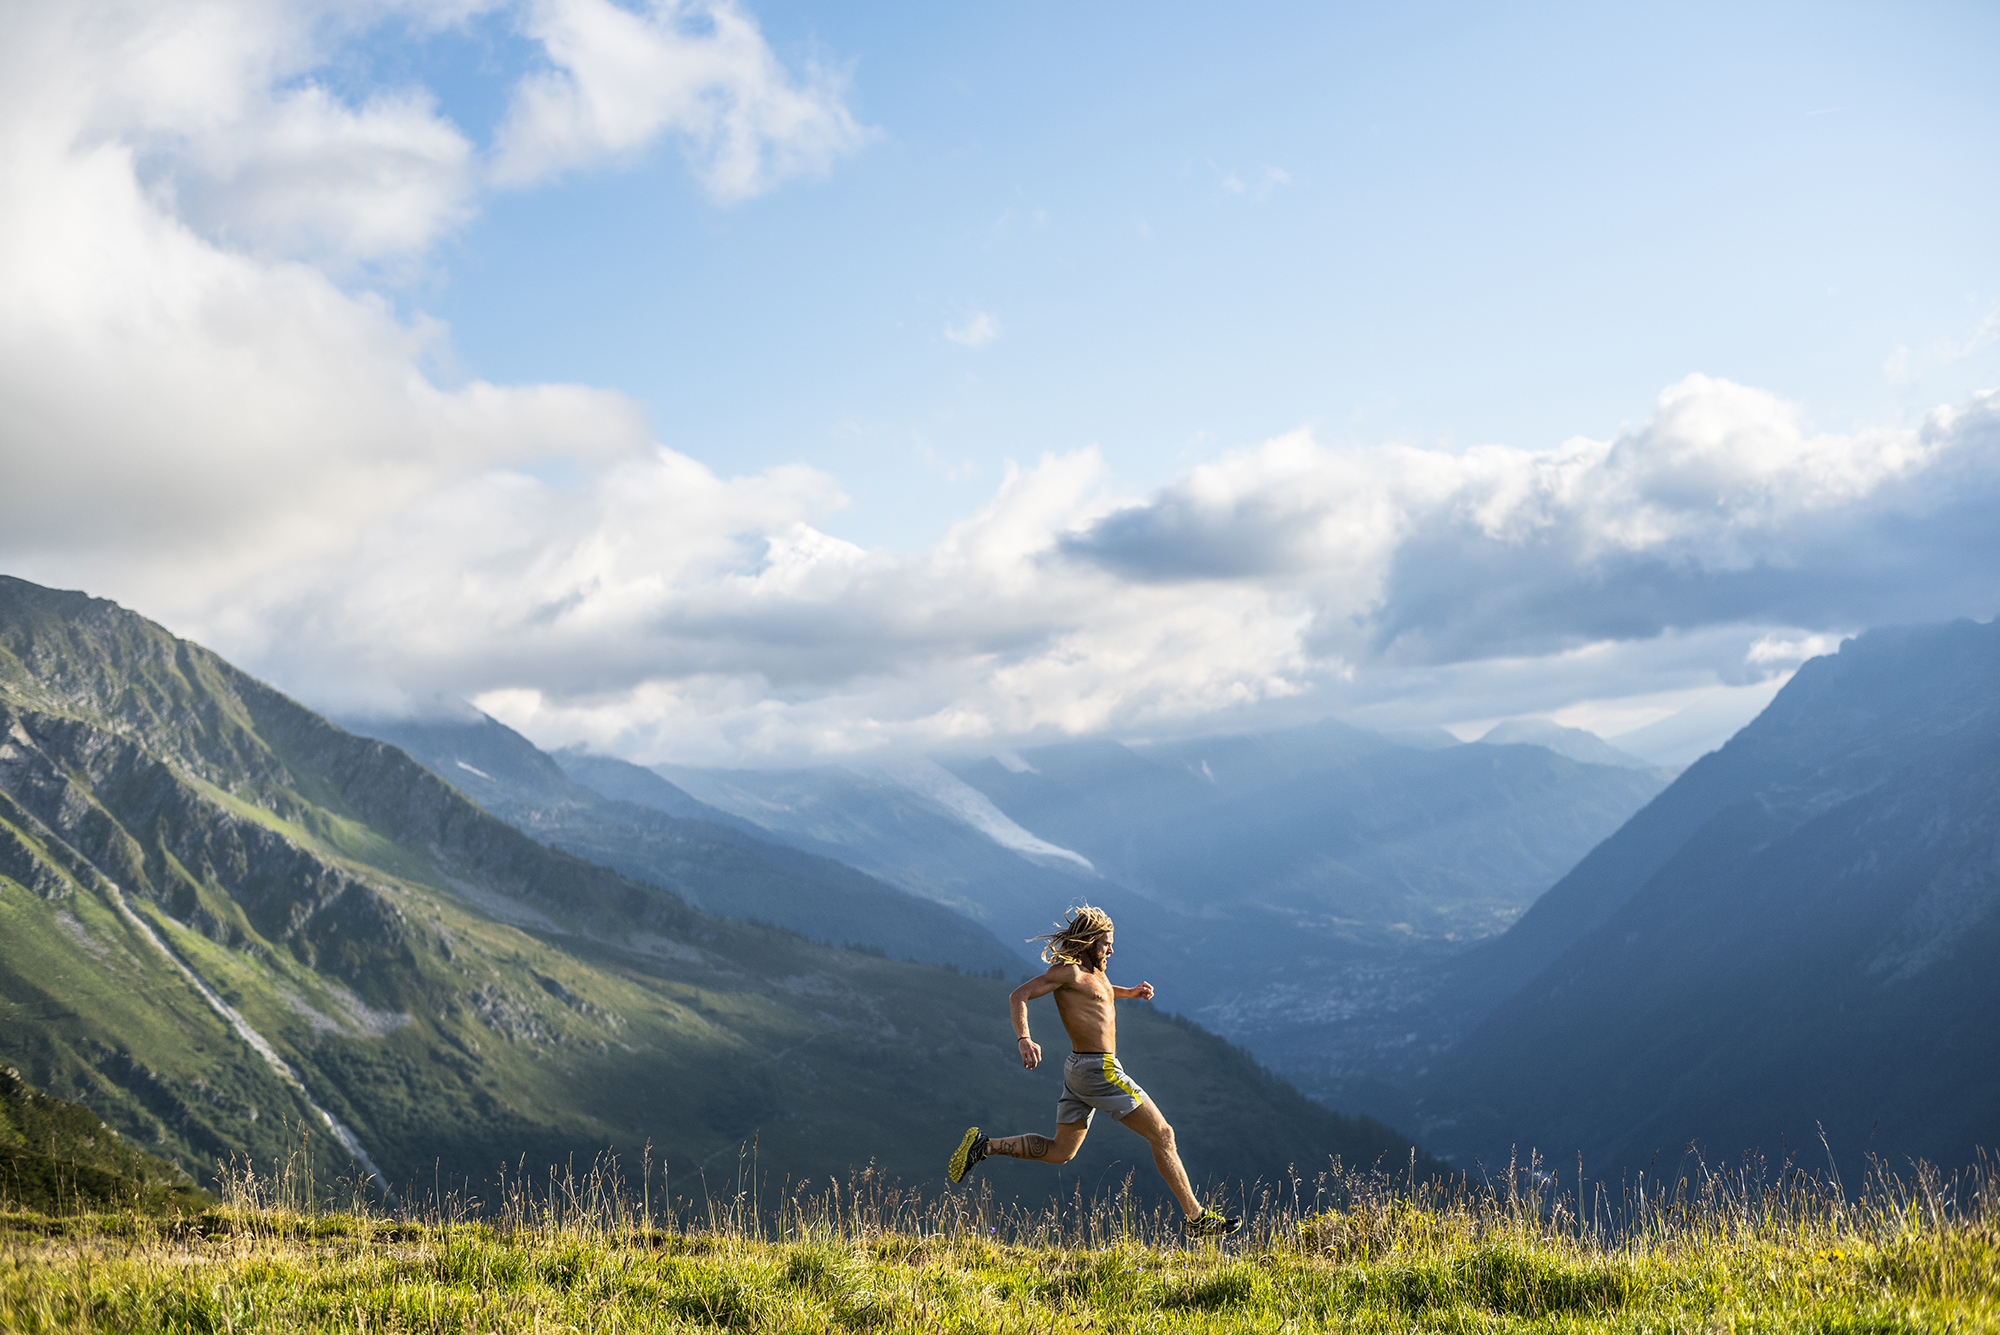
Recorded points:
(1793,934)
(1289,890)
(1793,939)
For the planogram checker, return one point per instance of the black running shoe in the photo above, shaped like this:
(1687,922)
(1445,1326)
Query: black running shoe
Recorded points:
(1210,1223)
(971,1149)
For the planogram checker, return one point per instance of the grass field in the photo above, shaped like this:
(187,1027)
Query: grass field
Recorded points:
(1738,1251)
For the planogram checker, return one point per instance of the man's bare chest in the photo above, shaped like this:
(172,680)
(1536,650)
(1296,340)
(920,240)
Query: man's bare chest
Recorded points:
(1091,993)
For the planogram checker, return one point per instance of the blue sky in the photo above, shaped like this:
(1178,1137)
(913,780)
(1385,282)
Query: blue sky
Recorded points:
(768,382)
(1438,224)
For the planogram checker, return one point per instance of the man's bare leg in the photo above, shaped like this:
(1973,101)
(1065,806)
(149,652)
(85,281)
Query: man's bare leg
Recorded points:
(1146,1120)
(1060,1148)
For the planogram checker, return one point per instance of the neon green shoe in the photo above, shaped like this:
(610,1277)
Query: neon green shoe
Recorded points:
(971,1149)
(1210,1223)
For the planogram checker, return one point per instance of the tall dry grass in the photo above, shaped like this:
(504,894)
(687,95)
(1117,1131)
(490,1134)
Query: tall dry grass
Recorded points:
(615,1246)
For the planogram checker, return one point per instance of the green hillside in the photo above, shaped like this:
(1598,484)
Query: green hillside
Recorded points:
(58,1157)
(223,919)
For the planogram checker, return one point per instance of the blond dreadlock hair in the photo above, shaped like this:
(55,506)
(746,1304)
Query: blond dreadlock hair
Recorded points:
(1071,942)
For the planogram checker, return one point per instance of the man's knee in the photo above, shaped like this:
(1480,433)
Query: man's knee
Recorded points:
(1159,1131)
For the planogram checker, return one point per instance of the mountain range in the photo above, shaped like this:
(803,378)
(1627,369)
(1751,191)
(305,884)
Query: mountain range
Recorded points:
(706,856)
(1576,743)
(224,919)
(1796,938)
(1332,830)
(227,918)
(1278,887)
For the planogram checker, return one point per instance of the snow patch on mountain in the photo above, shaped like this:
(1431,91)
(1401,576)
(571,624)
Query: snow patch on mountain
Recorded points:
(945,790)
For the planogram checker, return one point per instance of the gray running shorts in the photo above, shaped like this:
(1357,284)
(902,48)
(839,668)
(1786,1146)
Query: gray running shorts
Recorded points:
(1093,1080)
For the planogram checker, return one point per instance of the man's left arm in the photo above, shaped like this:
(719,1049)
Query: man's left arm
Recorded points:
(1143,992)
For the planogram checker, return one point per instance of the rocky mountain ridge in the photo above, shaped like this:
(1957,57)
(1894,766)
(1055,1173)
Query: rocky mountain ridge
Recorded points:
(1796,935)
(707,857)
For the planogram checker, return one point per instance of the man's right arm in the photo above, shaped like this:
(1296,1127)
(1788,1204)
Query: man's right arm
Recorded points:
(1030,1051)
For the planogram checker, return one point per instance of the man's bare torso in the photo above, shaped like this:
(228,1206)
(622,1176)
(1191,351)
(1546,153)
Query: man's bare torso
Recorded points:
(1084,996)
(1084,999)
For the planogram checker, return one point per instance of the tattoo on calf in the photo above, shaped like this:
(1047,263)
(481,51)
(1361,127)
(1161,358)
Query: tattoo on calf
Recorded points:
(1030,1146)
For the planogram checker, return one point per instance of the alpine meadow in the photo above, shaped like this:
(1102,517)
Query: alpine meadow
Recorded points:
(732,665)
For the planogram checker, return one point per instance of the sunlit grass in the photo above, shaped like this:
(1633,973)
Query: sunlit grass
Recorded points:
(1735,1251)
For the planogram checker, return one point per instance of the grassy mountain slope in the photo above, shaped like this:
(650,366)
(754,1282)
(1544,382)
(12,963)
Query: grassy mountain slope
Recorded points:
(193,865)
(57,1156)
(711,860)
(1817,951)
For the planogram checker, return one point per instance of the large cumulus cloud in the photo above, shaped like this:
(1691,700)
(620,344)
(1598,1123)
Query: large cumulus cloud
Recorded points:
(1721,509)
(619,79)
(198,390)
(656,608)
(205,413)
(663,611)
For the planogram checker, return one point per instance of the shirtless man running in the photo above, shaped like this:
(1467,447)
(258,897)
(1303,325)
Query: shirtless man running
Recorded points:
(1092,1077)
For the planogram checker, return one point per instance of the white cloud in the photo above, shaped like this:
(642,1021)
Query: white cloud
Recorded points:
(164,400)
(309,175)
(1896,367)
(1721,507)
(663,612)
(216,104)
(222,108)
(198,420)
(189,403)
(1259,186)
(1776,649)
(1904,367)
(699,71)
(974,331)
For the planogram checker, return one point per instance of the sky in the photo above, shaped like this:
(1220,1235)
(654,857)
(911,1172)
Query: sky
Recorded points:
(769,384)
